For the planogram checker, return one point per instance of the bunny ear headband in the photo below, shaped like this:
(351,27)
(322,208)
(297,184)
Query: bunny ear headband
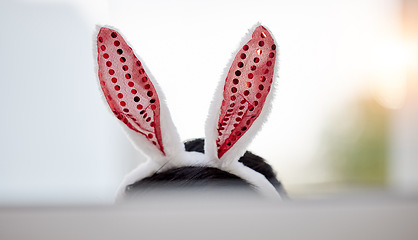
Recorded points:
(240,106)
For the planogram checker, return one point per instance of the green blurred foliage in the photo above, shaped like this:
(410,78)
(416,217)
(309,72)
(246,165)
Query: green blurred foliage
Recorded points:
(357,155)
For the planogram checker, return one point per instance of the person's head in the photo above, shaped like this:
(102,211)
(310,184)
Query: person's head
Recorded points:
(194,177)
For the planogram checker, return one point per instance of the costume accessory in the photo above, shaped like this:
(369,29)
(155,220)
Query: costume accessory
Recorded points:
(240,106)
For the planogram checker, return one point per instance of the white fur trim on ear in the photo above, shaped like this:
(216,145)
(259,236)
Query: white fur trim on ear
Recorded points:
(215,107)
(240,147)
(173,147)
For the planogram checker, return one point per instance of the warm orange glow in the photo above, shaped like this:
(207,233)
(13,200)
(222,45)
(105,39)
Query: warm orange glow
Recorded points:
(389,64)
(259,51)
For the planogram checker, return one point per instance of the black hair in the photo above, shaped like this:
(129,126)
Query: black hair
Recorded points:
(204,177)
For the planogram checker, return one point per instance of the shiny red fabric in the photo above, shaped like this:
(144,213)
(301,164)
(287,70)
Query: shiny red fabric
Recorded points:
(128,90)
(246,87)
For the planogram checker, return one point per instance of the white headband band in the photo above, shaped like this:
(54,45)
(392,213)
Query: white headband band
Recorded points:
(240,106)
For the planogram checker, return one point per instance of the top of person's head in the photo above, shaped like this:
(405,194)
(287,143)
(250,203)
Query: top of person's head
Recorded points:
(203,178)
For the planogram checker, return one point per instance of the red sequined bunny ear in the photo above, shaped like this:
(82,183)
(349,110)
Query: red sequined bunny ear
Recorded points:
(246,88)
(128,90)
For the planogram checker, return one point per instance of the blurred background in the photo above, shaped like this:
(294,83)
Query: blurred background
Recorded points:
(345,113)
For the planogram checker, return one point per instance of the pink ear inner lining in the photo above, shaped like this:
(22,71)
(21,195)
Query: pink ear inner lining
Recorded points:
(128,90)
(246,87)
